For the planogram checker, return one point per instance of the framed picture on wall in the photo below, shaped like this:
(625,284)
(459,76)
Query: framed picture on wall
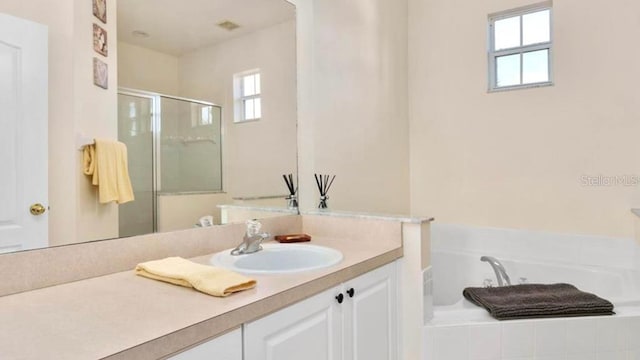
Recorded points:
(100,73)
(100,40)
(100,10)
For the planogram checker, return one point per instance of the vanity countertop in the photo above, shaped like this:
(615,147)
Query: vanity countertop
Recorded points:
(124,316)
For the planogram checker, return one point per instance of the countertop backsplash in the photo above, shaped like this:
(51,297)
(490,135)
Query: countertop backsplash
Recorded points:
(35,269)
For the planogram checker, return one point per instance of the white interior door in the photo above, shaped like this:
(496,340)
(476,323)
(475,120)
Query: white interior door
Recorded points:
(23,133)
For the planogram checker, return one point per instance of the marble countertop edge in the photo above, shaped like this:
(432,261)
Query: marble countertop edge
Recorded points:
(368,216)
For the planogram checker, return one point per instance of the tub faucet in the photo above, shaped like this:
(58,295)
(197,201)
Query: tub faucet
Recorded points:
(252,239)
(501,273)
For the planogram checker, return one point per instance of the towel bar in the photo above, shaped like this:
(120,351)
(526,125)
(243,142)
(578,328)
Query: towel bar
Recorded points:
(82,140)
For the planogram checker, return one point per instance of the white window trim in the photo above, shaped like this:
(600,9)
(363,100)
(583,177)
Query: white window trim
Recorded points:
(493,55)
(239,99)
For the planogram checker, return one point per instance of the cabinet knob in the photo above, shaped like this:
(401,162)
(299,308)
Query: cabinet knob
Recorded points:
(340,298)
(351,292)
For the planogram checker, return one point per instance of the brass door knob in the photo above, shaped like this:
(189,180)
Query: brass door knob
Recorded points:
(37,209)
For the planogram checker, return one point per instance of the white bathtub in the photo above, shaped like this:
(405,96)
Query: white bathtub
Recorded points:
(461,330)
(453,271)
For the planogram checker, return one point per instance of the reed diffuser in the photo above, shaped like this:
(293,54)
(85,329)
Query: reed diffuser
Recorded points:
(323,186)
(292,199)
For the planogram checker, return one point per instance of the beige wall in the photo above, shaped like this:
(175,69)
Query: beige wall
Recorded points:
(75,105)
(514,159)
(256,153)
(96,115)
(352,103)
(145,69)
(178,212)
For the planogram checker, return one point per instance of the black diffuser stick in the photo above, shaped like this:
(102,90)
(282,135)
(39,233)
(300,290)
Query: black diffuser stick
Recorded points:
(324,185)
(292,187)
(318,182)
(295,188)
(331,182)
(286,182)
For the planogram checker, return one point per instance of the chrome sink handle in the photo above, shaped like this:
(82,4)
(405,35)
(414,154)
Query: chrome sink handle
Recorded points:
(252,239)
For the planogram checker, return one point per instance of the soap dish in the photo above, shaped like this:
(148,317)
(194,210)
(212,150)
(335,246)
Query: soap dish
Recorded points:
(292,238)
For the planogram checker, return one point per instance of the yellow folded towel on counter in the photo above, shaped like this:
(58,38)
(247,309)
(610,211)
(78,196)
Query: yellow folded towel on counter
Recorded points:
(207,279)
(106,162)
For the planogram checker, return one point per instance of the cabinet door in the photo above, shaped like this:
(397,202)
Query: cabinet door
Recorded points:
(224,347)
(309,330)
(371,316)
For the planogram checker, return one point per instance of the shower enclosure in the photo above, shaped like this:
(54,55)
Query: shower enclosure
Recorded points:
(174,149)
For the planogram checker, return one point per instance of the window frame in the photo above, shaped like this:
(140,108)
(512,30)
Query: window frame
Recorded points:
(240,98)
(493,55)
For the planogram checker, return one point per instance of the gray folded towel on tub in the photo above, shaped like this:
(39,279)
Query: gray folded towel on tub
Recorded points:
(537,301)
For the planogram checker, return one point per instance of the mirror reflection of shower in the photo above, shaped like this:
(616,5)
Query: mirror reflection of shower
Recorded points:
(174,151)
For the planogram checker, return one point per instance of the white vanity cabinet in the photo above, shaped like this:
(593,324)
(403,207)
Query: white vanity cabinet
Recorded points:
(309,330)
(224,347)
(370,315)
(353,321)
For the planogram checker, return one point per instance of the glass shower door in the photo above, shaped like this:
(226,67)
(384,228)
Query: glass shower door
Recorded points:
(135,129)
(175,161)
(190,150)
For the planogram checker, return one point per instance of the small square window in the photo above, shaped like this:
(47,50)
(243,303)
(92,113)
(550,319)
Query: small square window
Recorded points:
(520,48)
(206,115)
(201,115)
(247,92)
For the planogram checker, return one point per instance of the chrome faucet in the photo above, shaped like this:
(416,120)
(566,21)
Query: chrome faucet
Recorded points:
(501,273)
(252,240)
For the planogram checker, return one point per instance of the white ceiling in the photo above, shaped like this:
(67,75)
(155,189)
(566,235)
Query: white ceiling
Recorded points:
(180,26)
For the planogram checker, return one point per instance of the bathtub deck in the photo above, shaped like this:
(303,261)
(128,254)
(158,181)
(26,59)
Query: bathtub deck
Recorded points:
(462,333)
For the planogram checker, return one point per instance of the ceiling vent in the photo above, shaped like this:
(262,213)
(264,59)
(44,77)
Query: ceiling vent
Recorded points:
(228,25)
(140,34)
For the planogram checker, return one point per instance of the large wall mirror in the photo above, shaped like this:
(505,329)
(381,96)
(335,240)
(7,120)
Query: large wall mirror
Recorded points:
(202,92)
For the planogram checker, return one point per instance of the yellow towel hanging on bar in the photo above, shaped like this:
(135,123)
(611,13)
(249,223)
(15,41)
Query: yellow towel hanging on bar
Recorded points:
(106,162)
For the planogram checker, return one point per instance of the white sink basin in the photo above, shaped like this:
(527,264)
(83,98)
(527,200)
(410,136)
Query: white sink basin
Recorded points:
(279,259)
